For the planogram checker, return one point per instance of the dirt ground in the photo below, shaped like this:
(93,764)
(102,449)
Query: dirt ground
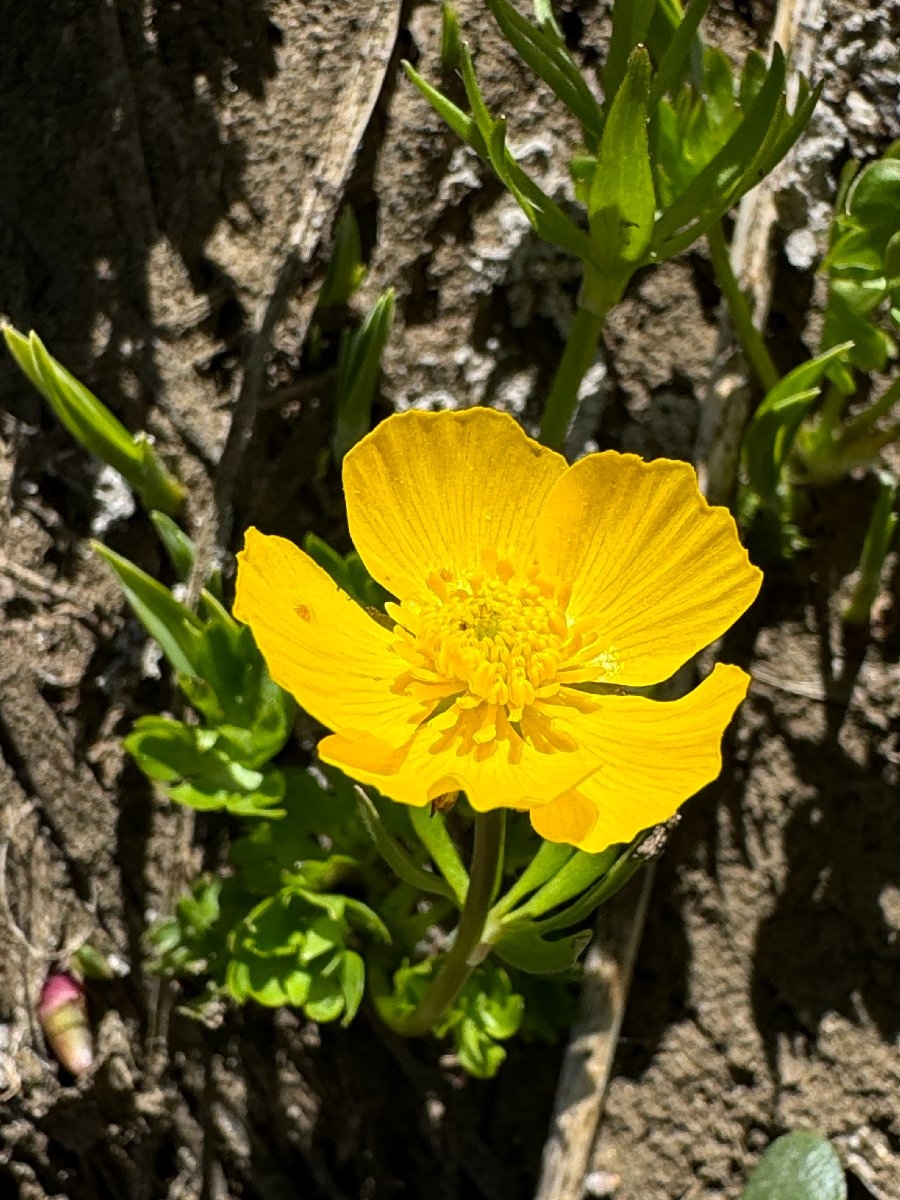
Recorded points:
(170,177)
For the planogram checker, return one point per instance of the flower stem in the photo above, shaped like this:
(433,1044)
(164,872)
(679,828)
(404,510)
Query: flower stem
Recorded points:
(578,355)
(739,310)
(461,958)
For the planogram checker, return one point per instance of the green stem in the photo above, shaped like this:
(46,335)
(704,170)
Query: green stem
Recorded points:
(739,309)
(580,351)
(461,958)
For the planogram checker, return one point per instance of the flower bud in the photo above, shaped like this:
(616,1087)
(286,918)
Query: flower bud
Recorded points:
(62,1012)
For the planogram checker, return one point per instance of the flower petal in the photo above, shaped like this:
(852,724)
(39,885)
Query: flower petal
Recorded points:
(428,491)
(655,755)
(570,819)
(318,644)
(656,571)
(416,774)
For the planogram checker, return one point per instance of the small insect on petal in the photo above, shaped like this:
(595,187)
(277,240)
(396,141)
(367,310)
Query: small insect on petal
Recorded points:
(62,1012)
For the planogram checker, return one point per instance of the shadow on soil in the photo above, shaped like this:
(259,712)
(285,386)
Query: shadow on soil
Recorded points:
(115,139)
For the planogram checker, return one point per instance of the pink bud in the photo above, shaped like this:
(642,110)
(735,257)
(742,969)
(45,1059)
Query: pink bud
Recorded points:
(62,1012)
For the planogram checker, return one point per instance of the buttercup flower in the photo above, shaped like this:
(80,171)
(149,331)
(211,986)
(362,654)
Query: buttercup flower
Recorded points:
(530,595)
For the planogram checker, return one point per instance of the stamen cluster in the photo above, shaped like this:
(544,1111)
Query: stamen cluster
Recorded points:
(485,650)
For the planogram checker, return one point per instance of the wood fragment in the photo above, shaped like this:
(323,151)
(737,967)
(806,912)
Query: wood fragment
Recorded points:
(593,1040)
(305,239)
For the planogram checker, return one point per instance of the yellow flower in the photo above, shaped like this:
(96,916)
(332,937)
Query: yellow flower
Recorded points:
(529,595)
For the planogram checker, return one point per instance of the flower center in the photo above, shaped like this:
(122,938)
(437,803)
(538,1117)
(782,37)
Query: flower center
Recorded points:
(488,654)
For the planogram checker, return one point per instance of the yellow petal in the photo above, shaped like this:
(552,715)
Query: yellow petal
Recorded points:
(654,755)
(318,644)
(417,775)
(432,491)
(570,818)
(658,572)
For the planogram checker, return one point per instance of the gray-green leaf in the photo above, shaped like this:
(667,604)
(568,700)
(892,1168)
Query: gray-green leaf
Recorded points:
(798,1166)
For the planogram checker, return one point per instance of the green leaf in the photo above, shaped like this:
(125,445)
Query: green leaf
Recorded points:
(771,433)
(451,39)
(353,984)
(863,264)
(622,199)
(480,114)
(667,17)
(543,14)
(670,72)
(261,980)
(485,1011)
(604,889)
(232,688)
(431,831)
(325,1001)
(94,426)
(361,917)
(799,1166)
(461,124)
(178,546)
(542,47)
(190,761)
(479,1055)
(90,963)
(498,1006)
(167,750)
(753,147)
(316,817)
(769,440)
(622,204)
(550,858)
(576,875)
(193,938)
(545,215)
(521,945)
(488,138)
(291,949)
(178,631)
(393,853)
(714,185)
(877,544)
(277,927)
(358,370)
(346,270)
(631,21)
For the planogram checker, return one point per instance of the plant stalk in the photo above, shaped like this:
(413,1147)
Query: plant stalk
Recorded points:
(461,958)
(578,355)
(739,310)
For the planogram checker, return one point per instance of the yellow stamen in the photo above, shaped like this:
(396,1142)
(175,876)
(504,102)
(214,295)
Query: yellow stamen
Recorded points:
(495,648)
